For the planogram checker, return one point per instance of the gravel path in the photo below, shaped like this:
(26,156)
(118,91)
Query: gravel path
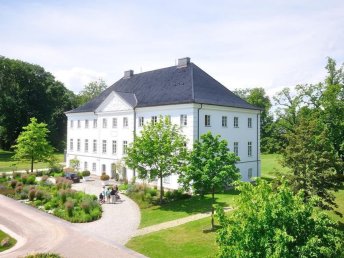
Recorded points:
(174,223)
(119,221)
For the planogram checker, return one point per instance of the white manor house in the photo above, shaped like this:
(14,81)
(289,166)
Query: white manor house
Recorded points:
(100,131)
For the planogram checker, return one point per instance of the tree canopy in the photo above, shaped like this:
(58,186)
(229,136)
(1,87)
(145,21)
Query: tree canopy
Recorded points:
(159,151)
(26,91)
(32,143)
(90,91)
(211,167)
(275,222)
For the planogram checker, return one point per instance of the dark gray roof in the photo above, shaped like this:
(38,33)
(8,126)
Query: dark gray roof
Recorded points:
(171,85)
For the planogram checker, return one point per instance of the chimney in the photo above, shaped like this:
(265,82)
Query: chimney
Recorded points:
(183,62)
(128,74)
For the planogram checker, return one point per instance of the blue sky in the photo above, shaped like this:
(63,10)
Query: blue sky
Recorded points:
(271,44)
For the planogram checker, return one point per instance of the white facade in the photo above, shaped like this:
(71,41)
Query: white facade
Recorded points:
(117,122)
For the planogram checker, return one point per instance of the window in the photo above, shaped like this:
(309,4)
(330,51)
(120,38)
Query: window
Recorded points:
(94,166)
(141,121)
(114,147)
(78,145)
(71,123)
(94,145)
(71,144)
(79,123)
(85,165)
(104,122)
(167,180)
(183,120)
(125,121)
(249,122)
(125,147)
(104,146)
(236,148)
(249,149)
(236,121)
(224,121)
(86,145)
(207,120)
(154,119)
(103,168)
(86,123)
(114,122)
(249,173)
(94,123)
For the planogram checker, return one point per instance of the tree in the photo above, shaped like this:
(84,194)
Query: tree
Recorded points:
(90,91)
(159,151)
(32,143)
(275,222)
(211,167)
(313,161)
(26,91)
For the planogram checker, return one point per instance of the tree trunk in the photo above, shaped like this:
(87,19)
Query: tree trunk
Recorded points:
(161,189)
(31,164)
(212,208)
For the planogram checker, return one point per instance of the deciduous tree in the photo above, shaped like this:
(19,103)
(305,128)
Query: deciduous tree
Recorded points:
(90,91)
(32,143)
(159,151)
(211,167)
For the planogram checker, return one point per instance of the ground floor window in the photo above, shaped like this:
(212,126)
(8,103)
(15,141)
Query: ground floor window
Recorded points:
(94,166)
(103,168)
(85,165)
(249,173)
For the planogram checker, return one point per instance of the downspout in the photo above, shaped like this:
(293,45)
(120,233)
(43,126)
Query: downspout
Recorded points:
(258,122)
(134,172)
(198,120)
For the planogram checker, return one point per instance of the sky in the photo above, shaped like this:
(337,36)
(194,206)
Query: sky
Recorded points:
(242,44)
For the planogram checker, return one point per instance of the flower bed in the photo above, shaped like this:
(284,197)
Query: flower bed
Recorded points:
(58,199)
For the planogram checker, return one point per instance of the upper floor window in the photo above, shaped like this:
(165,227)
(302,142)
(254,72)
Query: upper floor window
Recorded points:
(249,122)
(154,119)
(94,145)
(207,120)
(236,121)
(236,148)
(71,123)
(104,122)
(114,147)
(125,147)
(71,144)
(86,123)
(86,145)
(79,123)
(104,146)
(114,122)
(125,121)
(224,121)
(249,149)
(78,145)
(183,120)
(94,123)
(141,121)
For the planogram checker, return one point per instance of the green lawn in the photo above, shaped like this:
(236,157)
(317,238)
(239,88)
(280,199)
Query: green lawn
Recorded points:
(183,208)
(187,240)
(12,241)
(8,164)
(271,166)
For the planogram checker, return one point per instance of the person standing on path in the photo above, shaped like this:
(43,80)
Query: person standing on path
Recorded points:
(113,196)
(108,193)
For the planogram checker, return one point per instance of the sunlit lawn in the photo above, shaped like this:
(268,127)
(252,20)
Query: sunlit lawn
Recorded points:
(12,241)
(8,164)
(271,165)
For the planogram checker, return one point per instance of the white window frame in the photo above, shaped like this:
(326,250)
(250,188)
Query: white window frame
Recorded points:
(125,122)
(103,168)
(94,146)
(85,165)
(236,122)
(249,122)
(224,121)
(114,147)
(125,147)
(141,121)
(249,173)
(71,123)
(236,148)
(104,123)
(183,120)
(249,149)
(104,146)
(79,124)
(95,123)
(94,166)
(207,120)
(86,145)
(78,145)
(86,123)
(71,144)
(154,119)
(114,122)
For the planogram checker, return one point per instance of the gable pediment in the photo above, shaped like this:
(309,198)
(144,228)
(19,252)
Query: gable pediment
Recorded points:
(114,102)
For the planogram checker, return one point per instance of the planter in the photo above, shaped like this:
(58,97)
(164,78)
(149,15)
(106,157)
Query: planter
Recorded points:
(86,178)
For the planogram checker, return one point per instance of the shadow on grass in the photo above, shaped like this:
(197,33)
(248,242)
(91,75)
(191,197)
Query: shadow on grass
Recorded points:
(196,204)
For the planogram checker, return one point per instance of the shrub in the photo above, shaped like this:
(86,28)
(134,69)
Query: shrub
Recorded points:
(86,173)
(44,178)
(39,173)
(39,195)
(56,169)
(104,177)
(15,175)
(13,183)
(23,178)
(62,193)
(32,194)
(5,242)
(86,205)
(31,179)
(69,205)
(3,175)
(63,183)
(43,255)
(23,195)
